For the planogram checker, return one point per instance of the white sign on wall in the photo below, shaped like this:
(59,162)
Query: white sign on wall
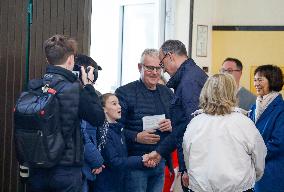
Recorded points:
(201,42)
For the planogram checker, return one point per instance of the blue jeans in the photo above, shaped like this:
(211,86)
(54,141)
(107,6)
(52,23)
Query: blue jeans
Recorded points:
(146,180)
(87,185)
(55,179)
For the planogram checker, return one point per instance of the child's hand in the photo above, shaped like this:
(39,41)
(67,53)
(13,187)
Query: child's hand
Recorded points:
(98,170)
(147,162)
(145,157)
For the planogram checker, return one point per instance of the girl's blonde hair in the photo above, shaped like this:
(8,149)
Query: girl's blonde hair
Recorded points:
(218,96)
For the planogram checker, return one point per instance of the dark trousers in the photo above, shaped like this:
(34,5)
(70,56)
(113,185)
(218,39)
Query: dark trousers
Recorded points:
(56,179)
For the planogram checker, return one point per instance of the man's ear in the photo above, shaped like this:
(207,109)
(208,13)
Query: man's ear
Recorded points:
(140,66)
(47,61)
(171,56)
(70,62)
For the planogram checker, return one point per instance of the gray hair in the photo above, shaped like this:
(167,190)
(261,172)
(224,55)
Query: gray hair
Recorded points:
(149,52)
(174,46)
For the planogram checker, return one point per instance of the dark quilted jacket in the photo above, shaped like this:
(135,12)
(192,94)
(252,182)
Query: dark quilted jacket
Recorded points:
(75,102)
(136,102)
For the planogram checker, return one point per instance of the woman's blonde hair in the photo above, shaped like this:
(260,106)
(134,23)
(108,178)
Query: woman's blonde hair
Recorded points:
(218,96)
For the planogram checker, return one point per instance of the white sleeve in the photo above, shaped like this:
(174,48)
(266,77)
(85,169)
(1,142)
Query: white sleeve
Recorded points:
(186,146)
(259,152)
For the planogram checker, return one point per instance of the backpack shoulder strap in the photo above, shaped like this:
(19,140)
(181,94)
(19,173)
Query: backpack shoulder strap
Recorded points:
(53,87)
(59,86)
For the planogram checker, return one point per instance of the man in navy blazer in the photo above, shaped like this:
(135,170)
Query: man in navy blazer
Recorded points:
(187,80)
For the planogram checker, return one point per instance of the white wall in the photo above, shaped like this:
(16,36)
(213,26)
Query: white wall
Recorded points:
(203,12)
(224,12)
(249,12)
(181,18)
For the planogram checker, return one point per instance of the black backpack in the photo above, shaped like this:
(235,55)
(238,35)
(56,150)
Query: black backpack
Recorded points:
(37,131)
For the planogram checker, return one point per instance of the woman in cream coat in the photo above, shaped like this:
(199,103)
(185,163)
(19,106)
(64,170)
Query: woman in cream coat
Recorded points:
(223,150)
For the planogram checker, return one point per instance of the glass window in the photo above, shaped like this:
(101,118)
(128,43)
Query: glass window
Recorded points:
(119,36)
(138,33)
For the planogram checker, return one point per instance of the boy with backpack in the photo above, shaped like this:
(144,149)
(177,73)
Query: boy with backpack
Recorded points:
(56,154)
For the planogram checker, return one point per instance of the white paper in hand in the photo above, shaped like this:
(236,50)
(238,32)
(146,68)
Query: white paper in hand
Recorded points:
(152,122)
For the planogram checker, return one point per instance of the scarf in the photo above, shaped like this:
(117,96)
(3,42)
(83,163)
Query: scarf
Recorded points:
(102,135)
(262,103)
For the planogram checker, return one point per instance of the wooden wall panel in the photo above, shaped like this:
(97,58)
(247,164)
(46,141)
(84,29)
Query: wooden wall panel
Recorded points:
(19,74)
(87,27)
(60,16)
(47,25)
(67,17)
(8,145)
(12,57)
(3,57)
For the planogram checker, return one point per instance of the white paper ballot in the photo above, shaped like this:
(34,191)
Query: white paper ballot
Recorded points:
(152,122)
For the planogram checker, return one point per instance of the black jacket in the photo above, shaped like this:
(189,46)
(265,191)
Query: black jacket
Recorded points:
(76,103)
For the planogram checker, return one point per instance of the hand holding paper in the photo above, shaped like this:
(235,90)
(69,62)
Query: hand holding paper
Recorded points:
(165,125)
(152,122)
(147,137)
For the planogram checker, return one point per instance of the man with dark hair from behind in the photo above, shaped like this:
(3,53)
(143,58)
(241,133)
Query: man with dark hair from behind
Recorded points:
(234,67)
(187,80)
(75,103)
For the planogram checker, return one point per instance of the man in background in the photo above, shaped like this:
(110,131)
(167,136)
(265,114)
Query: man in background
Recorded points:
(234,67)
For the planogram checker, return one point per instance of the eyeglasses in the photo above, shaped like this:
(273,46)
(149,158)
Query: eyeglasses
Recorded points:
(229,70)
(151,68)
(161,62)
